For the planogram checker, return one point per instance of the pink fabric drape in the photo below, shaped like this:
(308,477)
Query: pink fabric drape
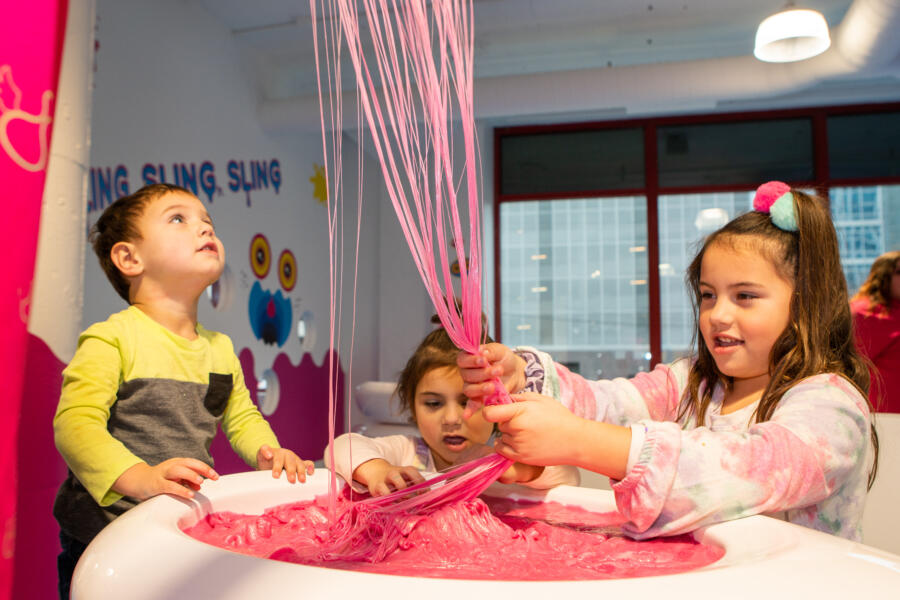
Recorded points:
(31,42)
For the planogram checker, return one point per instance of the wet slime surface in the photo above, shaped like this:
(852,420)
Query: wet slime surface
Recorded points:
(486,538)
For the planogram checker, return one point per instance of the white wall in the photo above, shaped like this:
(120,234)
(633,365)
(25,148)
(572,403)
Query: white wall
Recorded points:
(405,307)
(170,89)
(881,527)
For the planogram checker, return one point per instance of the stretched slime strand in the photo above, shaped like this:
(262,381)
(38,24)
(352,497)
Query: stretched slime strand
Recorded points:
(412,86)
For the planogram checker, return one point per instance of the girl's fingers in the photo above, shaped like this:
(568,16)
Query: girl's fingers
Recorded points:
(415,476)
(503,449)
(500,413)
(395,478)
(472,407)
(464,360)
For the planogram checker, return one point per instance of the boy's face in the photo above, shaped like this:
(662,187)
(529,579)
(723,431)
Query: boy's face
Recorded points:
(178,245)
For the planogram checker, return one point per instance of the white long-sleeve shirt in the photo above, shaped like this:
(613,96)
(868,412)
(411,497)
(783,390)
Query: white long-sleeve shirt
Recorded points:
(352,449)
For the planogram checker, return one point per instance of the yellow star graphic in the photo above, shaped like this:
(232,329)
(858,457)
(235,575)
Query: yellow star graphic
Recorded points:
(320,185)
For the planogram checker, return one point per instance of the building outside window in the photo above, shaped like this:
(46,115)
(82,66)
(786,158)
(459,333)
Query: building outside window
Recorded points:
(576,210)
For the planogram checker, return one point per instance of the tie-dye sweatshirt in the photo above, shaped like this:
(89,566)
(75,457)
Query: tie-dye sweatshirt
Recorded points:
(808,464)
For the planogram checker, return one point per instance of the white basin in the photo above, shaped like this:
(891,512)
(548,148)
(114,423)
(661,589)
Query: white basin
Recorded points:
(144,554)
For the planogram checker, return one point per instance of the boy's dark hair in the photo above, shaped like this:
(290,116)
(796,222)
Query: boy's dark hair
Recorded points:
(436,351)
(118,224)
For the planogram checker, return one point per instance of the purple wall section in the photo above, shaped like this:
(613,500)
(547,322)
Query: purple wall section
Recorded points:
(41,470)
(301,419)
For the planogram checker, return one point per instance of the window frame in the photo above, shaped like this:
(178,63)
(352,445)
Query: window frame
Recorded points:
(822,182)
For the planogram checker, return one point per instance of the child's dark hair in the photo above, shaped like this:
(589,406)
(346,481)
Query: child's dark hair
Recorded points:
(877,286)
(437,351)
(819,335)
(118,223)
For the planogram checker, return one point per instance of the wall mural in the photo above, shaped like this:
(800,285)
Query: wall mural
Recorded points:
(320,185)
(201,177)
(270,313)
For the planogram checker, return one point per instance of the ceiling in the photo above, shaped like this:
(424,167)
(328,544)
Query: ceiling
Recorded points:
(633,54)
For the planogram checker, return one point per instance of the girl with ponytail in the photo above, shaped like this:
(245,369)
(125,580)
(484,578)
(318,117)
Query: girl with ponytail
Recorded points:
(770,416)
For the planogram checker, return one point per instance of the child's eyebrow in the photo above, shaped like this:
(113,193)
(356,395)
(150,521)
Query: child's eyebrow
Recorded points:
(176,207)
(738,284)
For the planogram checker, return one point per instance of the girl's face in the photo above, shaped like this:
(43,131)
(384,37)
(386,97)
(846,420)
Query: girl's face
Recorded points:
(744,308)
(438,410)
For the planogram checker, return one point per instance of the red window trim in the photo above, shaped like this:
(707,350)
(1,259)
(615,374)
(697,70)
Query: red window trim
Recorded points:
(651,190)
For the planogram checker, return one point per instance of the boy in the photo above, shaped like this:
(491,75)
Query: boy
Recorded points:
(146,388)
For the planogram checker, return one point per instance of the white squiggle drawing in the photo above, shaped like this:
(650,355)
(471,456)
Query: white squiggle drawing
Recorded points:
(10,101)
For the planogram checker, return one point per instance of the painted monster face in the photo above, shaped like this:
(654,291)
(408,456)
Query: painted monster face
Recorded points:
(271,314)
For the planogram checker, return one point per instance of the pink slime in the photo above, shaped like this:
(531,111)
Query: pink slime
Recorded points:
(463,540)
(415,87)
(421,75)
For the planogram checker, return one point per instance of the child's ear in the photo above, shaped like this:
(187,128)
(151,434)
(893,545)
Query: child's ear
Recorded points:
(124,256)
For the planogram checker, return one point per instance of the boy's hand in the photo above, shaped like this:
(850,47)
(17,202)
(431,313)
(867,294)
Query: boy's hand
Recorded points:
(176,476)
(382,478)
(279,459)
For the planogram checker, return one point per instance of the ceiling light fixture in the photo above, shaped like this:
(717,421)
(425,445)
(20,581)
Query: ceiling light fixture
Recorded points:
(792,35)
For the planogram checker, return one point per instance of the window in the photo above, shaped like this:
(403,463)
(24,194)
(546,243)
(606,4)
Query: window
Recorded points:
(572,161)
(596,224)
(864,145)
(575,281)
(867,220)
(706,154)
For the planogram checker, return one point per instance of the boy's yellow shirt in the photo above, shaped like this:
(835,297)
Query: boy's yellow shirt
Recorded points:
(131,391)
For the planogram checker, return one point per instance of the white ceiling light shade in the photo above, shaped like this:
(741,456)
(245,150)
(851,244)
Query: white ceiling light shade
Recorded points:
(792,35)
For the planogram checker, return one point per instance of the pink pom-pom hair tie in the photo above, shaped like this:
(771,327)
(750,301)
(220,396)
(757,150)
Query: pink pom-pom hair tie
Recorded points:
(776,199)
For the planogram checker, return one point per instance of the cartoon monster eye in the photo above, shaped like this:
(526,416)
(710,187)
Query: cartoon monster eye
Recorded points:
(287,270)
(260,255)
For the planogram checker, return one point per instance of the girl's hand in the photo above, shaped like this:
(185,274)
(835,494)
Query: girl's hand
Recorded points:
(521,473)
(282,459)
(382,478)
(492,360)
(177,476)
(516,473)
(536,430)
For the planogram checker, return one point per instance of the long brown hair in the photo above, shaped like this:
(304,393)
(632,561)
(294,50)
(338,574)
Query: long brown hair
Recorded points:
(819,335)
(877,286)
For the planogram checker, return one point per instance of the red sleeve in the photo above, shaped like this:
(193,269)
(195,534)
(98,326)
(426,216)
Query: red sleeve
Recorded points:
(873,332)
